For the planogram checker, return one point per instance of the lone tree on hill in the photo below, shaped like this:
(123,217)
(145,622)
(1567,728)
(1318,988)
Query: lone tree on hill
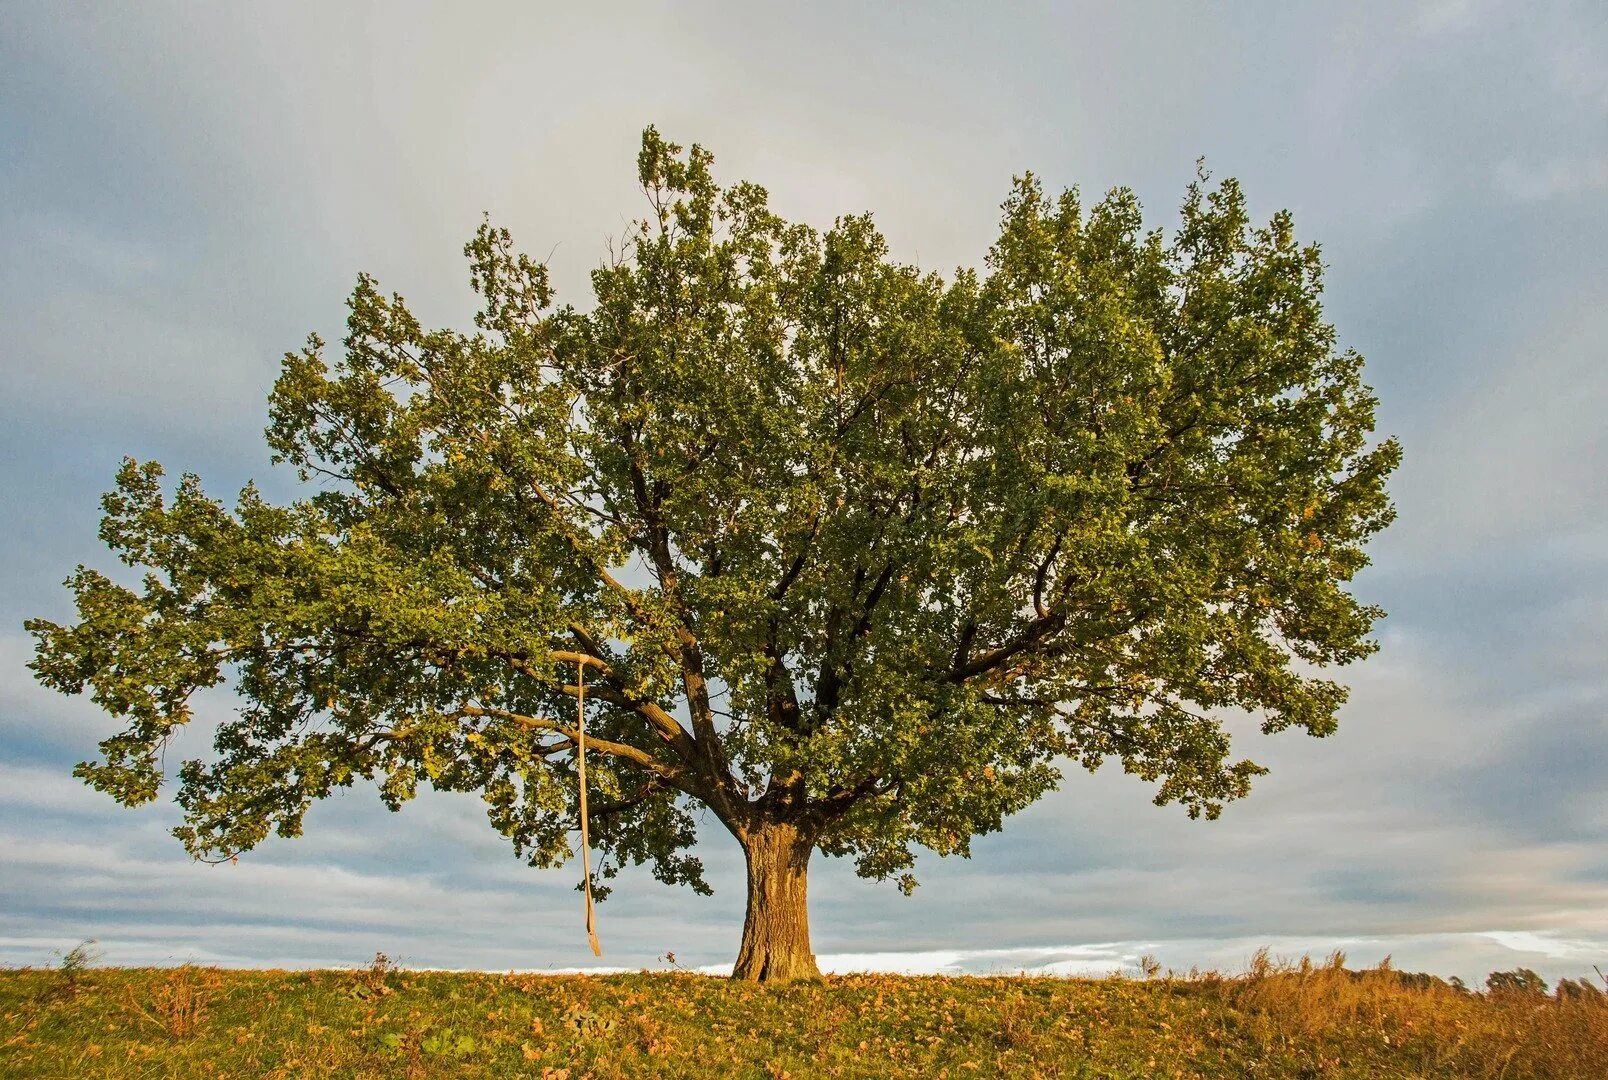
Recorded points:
(852,555)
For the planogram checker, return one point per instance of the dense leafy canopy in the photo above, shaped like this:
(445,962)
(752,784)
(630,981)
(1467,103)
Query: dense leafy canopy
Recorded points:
(845,545)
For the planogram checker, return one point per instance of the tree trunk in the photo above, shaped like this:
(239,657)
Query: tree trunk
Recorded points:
(776,932)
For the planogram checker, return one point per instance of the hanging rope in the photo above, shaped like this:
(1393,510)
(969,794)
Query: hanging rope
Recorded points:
(580,768)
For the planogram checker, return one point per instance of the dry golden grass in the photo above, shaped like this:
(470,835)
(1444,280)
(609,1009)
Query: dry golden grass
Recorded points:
(176,1006)
(1320,1013)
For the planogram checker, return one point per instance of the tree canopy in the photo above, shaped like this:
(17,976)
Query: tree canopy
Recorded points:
(857,556)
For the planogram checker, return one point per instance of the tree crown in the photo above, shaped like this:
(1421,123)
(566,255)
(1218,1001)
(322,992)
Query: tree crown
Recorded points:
(842,544)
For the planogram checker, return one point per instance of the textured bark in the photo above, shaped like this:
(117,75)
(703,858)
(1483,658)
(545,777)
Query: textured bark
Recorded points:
(776,932)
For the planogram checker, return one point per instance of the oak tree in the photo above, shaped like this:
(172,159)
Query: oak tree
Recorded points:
(856,558)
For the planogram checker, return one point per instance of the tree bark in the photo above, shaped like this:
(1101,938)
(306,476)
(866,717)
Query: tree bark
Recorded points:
(776,931)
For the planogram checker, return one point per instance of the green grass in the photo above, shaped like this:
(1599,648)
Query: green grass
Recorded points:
(1273,1022)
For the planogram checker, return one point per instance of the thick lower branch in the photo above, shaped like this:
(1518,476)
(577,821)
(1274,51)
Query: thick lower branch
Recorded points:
(625,751)
(613,690)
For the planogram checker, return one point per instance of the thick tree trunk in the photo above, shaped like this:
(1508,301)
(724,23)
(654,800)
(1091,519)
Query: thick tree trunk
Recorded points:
(776,932)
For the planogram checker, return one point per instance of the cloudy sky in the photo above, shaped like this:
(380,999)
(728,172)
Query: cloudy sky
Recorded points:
(187,190)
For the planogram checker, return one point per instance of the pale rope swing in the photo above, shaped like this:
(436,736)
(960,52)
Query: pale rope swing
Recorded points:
(580,768)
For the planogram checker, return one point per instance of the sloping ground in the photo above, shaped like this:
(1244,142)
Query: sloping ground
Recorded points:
(1319,1022)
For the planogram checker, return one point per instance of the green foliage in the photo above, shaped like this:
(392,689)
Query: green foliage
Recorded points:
(846,545)
(1577,990)
(447,1043)
(1520,982)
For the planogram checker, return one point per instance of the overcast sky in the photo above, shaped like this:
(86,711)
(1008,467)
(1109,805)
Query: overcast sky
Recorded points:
(187,190)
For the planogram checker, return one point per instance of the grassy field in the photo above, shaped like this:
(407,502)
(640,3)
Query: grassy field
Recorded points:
(1289,1021)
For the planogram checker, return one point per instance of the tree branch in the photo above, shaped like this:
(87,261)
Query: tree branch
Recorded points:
(625,751)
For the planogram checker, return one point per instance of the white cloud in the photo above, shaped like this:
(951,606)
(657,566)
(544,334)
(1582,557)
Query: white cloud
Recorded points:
(1551,946)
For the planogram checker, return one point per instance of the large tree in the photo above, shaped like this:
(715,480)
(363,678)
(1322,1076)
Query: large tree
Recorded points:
(855,557)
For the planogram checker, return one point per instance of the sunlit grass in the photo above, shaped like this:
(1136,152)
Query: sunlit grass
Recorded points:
(1300,1020)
